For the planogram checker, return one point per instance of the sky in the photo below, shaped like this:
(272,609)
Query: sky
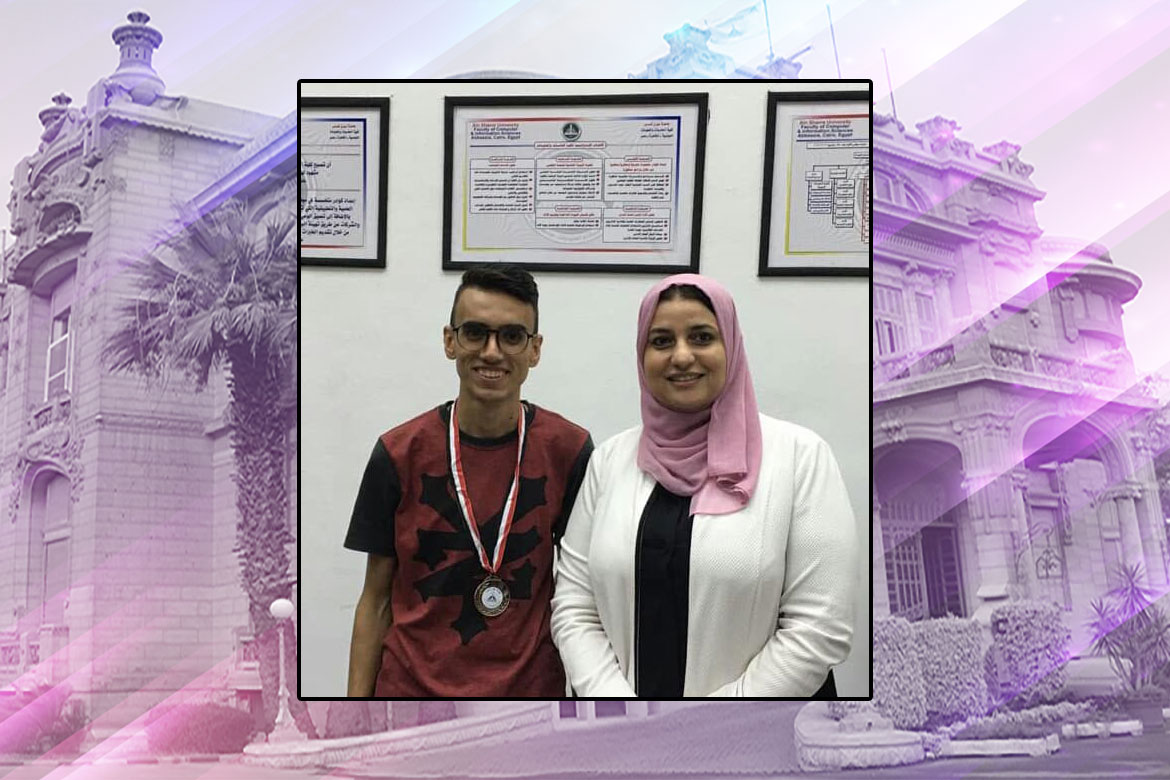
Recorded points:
(1080,85)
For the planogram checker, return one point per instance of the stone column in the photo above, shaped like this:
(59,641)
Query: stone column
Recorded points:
(1149,512)
(988,486)
(881,594)
(1024,556)
(1132,552)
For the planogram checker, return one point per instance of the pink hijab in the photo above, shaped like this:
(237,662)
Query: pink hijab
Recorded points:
(712,455)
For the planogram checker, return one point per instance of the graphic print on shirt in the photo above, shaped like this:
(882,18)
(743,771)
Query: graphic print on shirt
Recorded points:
(460,577)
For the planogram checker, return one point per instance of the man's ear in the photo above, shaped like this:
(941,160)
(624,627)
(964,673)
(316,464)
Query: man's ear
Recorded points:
(449,342)
(534,356)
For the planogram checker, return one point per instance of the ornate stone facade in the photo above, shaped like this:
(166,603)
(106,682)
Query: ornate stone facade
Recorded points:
(1009,459)
(119,516)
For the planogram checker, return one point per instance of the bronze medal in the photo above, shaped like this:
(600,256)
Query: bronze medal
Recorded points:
(492,597)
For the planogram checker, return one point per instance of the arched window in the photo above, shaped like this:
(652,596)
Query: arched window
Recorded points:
(49,534)
(916,200)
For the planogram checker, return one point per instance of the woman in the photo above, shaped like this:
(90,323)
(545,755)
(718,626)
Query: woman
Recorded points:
(711,550)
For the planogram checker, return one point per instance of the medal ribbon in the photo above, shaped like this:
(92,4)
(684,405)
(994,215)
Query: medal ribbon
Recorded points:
(492,566)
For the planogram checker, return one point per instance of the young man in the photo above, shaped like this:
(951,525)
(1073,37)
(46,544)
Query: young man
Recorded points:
(459,512)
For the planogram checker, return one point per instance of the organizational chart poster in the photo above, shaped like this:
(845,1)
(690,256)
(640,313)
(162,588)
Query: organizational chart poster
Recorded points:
(829,186)
(816,205)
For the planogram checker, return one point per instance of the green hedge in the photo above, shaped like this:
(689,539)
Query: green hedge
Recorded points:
(951,650)
(1026,663)
(899,693)
(198,728)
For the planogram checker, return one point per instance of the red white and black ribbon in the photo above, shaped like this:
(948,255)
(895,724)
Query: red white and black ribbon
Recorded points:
(492,565)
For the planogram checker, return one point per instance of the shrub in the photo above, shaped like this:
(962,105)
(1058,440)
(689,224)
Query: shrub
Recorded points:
(1025,664)
(897,674)
(1152,693)
(67,731)
(39,718)
(1035,722)
(952,670)
(198,728)
(839,709)
(355,718)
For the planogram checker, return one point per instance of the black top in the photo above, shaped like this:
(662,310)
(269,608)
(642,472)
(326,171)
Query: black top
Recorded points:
(661,576)
(662,564)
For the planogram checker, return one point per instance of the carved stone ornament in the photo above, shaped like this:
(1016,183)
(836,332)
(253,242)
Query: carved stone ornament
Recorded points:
(938,132)
(1008,155)
(1002,150)
(893,428)
(986,245)
(50,436)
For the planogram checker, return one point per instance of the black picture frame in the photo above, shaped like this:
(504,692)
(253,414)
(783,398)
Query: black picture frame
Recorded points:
(372,252)
(769,250)
(687,246)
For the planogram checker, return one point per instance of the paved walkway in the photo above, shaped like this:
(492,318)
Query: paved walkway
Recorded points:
(1147,756)
(748,738)
(180,771)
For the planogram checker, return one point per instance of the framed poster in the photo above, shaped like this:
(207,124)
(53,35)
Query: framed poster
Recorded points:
(342,153)
(574,182)
(817,210)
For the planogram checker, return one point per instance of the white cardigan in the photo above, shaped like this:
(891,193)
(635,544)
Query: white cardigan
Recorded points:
(771,586)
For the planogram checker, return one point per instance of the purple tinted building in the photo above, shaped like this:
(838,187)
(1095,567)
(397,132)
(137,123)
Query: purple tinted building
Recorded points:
(118,520)
(1010,458)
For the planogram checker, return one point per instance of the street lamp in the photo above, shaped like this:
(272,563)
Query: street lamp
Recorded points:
(285,729)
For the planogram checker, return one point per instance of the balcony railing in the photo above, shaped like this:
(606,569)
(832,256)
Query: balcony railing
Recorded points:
(984,352)
(46,647)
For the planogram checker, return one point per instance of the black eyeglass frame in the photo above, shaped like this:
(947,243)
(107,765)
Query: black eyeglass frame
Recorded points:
(489,332)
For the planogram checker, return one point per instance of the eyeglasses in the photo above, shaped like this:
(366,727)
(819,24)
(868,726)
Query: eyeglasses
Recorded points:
(511,339)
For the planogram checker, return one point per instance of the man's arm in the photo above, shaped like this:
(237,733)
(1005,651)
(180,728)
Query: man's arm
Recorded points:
(371,620)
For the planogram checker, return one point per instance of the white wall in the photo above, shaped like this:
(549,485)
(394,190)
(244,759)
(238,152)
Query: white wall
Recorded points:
(371,348)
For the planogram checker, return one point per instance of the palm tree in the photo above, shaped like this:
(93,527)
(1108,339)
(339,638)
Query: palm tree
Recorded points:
(1131,629)
(215,297)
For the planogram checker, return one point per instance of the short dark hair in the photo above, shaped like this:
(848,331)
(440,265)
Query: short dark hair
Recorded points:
(687,292)
(502,278)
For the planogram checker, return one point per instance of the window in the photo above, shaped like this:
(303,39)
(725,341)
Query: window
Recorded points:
(49,577)
(916,200)
(1096,305)
(57,372)
(3,356)
(927,322)
(889,320)
(59,362)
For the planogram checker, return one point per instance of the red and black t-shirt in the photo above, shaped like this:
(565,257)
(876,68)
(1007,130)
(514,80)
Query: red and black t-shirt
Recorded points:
(439,645)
